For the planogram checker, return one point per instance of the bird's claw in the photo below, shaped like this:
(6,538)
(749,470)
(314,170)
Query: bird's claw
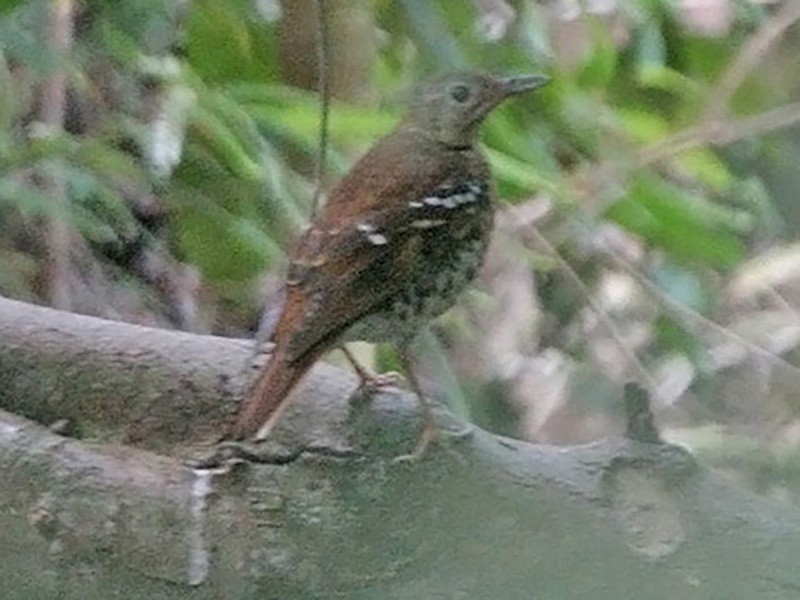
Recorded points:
(429,435)
(432,434)
(369,381)
(378,381)
(225,454)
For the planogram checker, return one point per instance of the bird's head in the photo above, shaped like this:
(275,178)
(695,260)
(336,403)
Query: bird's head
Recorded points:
(450,109)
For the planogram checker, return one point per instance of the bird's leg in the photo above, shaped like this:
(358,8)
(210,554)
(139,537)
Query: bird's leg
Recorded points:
(430,431)
(369,380)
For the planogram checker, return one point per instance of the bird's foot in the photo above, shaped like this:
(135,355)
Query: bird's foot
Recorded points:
(372,382)
(228,454)
(223,455)
(378,381)
(430,434)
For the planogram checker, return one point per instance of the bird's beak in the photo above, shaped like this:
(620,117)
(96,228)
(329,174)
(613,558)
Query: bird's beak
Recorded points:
(523,83)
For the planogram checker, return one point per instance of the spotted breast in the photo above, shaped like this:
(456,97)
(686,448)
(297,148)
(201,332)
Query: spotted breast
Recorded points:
(452,226)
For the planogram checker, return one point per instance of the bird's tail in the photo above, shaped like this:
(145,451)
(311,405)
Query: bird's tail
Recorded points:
(269,396)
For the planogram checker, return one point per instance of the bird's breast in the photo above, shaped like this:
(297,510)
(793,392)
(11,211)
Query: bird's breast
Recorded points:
(450,239)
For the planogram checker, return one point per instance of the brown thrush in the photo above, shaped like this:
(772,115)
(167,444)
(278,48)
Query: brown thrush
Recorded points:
(400,237)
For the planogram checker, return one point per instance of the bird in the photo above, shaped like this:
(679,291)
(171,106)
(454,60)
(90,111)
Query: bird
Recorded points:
(399,238)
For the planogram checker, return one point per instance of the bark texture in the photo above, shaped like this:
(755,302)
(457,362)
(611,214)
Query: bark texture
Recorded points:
(322,510)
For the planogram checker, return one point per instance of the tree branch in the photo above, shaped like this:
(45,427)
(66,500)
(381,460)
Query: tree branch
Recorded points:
(325,512)
(720,133)
(749,56)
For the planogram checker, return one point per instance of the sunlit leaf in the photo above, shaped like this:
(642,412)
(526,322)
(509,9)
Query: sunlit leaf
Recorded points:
(600,65)
(707,168)
(669,80)
(644,126)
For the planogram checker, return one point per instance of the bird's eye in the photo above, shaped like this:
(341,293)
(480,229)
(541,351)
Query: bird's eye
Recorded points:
(460,93)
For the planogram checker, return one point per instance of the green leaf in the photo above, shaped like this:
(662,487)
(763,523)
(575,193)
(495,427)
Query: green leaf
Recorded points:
(601,64)
(518,174)
(8,99)
(218,41)
(209,130)
(672,335)
(119,44)
(235,119)
(107,162)
(644,126)
(224,247)
(756,202)
(29,199)
(669,80)
(90,226)
(36,151)
(682,224)
(347,124)
(706,166)
(8,5)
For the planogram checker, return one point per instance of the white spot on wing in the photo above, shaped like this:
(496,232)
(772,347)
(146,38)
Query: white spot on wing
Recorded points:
(468,198)
(415,204)
(432,201)
(377,239)
(365,227)
(427,223)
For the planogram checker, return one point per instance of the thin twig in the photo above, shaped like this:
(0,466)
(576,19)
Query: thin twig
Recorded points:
(688,316)
(783,303)
(712,133)
(715,129)
(645,379)
(323,68)
(749,56)
(720,133)
(52,106)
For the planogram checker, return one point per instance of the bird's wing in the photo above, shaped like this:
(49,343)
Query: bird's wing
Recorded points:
(340,274)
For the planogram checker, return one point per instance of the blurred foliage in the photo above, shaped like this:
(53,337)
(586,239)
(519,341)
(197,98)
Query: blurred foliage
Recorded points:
(182,137)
